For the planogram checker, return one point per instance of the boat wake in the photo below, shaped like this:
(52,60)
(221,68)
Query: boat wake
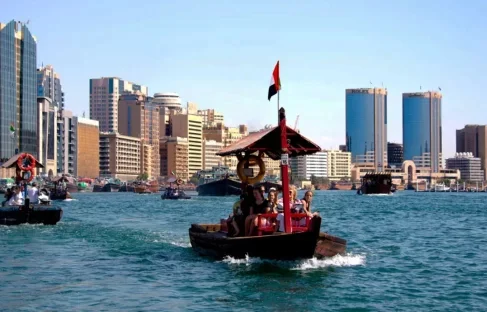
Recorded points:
(346,260)
(70,199)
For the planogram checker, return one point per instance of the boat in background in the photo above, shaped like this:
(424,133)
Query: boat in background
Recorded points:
(219,181)
(302,241)
(376,183)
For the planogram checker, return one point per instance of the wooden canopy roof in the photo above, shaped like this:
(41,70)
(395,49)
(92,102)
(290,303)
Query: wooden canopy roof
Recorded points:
(269,142)
(12,162)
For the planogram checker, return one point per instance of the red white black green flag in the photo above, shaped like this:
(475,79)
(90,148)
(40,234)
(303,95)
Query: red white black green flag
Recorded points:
(275,82)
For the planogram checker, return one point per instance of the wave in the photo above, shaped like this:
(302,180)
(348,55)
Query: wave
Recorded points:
(347,260)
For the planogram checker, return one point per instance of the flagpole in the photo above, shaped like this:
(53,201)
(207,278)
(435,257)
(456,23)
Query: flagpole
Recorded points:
(278,107)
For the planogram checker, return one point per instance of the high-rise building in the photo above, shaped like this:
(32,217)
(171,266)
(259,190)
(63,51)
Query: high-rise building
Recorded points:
(47,135)
(473,139)
(49,85)
(339,164)
(210,158)
(174,157)
(119,156)
(421,129)
(169,104)
(87,148)
(469,166)
(66,142)
(191,127)
(366,126)
(303,167)
(395,154)
(139,117)
(104,95)
(18,90)
(210,117)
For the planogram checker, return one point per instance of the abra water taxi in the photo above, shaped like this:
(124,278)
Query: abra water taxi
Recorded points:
(304,241)
(25,164)
(376,183)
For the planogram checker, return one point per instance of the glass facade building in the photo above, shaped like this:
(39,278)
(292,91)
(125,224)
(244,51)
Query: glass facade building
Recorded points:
(366,126)
(18,90)
(422,137)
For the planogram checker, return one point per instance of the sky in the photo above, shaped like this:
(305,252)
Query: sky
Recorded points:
(220,54)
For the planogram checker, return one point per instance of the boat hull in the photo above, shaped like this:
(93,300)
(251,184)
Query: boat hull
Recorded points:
(47,215)
(378,189)
(223,187)
(208,240)
(175,197)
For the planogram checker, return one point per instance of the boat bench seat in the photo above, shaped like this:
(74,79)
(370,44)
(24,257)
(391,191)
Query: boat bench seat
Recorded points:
(296,218)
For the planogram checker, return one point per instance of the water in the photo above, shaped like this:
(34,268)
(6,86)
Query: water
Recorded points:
(127,252)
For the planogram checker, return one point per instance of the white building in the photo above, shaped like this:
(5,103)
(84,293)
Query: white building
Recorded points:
(303,167)
(210,158)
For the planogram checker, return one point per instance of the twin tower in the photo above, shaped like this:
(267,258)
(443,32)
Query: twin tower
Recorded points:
(366,127)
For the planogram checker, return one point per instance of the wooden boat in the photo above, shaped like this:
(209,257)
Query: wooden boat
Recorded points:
(58,191)
(297,242)
(24,165)
(221,187)
(376,183)
(171,194)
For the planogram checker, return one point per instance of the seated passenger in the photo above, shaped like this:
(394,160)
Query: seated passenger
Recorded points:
(272,200)
(258,207)
(295,205)
(17,199)
(236,216)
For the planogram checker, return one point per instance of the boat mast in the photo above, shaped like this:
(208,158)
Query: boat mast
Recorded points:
(284,170)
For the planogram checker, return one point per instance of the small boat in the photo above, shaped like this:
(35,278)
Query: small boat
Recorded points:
(219,181)
(376,183)
(172,193)
(44,213)
(297,242)
(60,191)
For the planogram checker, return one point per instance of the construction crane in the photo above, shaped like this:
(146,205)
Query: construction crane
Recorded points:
(296,124)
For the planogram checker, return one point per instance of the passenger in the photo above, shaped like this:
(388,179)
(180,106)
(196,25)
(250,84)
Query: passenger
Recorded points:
(237,215)
(307,199)
(17,198)
(33,193)
(272,199)
(262,191)
(258,207)
(7,196)
(295,205)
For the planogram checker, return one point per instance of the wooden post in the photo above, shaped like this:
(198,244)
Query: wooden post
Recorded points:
(284,171)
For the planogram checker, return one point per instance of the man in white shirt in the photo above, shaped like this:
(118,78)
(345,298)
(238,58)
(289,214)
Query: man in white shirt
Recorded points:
(33,193)
(17,198)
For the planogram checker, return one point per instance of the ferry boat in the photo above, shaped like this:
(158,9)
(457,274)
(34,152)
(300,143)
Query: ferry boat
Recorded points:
(376,183)
(440,187)
(24,165)
(306,241)
(219,181)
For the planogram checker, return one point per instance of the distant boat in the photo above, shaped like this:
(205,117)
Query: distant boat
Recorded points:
(376,183)
(219,181)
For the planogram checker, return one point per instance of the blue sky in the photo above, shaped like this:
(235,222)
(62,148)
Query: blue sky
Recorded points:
(220,54)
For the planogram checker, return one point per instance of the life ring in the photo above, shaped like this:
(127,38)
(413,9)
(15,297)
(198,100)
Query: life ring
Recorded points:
(19,176)
(21,160)
(179,181)
(251,161)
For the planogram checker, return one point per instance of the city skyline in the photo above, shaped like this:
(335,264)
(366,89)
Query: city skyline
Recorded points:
(227,63)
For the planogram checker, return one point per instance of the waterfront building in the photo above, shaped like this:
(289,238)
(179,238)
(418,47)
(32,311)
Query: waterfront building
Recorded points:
(228,136)
(338,165)
(210,158)
(191,127)
(303,167)
(174,153)
(395,154)
(47,135)
(119,156)
(422,138)
(210,117)
(18,90)
(139,117)
(87,160)
(473,139)
(169,104)
(366,126)
(470,166)
(66,142)
(49,85)
(104,95)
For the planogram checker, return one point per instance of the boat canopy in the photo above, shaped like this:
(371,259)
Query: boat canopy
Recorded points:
(269,142)
(12,162)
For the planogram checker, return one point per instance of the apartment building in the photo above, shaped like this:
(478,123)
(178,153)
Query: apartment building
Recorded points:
(87,151)
(139,117)
(338,164)
(210,117)
(210,158)
(190,127)
(303,167)
(174,157)
(47,135)
(119,156)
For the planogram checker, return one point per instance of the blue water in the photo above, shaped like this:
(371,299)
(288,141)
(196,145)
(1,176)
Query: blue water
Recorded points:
(127,252)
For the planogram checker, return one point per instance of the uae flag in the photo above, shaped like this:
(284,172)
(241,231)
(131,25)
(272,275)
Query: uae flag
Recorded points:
(275,82)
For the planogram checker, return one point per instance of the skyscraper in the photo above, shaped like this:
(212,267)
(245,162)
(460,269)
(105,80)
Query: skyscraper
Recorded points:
(104,95)
(421,129)
(49,85)
(473,139)
(18,90)
(366,126)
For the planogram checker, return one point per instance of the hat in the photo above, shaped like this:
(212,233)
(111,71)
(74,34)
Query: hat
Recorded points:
(272,189)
